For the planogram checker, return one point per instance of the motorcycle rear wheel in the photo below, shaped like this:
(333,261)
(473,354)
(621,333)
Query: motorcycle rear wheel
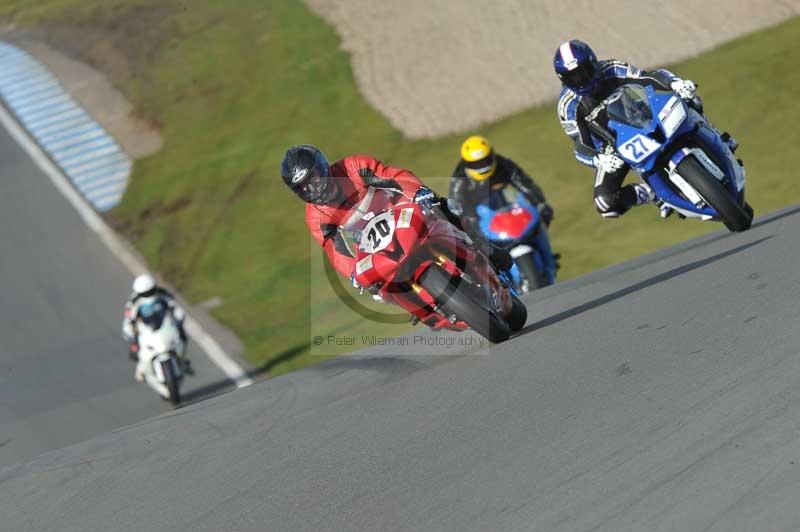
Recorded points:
(454,298)
(733,215)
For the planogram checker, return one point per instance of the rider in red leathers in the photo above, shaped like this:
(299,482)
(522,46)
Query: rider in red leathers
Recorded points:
(332,191)
(354,176)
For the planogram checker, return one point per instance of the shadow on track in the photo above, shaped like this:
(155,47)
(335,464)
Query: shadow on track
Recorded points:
(660,278)
(768,219)
(225,385)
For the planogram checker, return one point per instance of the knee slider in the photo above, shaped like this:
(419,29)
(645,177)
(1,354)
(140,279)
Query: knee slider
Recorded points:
(607,204)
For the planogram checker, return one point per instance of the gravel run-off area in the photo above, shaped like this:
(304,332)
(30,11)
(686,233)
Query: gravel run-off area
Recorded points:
(434,68)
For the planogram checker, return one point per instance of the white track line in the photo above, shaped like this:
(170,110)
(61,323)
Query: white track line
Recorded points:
(215,353)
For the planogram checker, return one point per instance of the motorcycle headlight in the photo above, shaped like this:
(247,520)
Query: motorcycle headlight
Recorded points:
(672,116)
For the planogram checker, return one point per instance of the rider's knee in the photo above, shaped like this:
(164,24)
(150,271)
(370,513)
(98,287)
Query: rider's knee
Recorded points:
(606,206)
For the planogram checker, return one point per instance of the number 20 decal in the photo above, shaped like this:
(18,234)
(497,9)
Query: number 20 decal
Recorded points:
(638,148)
(378,233)
(381,227)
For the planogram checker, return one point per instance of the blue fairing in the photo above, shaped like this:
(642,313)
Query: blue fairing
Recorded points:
(645,155)
(534,236)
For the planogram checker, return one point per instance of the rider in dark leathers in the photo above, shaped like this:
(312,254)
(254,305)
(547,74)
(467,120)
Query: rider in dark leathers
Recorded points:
(481,172)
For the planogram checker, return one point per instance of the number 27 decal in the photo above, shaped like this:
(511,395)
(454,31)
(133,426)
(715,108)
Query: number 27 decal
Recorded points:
(638,148)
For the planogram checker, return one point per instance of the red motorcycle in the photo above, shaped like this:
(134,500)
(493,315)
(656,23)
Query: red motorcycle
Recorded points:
(410,255)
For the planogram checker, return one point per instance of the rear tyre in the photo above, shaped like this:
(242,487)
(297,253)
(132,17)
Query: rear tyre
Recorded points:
(733,215)
(171,383)
(748,209)
(457,300)
(527,268)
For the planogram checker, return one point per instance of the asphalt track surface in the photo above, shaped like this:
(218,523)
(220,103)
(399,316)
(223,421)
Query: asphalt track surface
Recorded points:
(662,394)
(64,373)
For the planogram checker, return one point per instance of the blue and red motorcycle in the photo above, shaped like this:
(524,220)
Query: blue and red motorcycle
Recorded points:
(515,224)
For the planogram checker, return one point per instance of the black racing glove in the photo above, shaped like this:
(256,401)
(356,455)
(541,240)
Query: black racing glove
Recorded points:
(133,350)
(371,180)
(546,212)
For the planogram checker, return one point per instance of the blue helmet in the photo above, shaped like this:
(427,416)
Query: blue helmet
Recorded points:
(576,66)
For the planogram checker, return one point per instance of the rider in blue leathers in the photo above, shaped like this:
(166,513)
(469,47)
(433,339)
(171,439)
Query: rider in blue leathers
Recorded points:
(586,83)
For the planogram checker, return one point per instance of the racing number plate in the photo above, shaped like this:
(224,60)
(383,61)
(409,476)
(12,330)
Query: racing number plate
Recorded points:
(638,148)
(378,233)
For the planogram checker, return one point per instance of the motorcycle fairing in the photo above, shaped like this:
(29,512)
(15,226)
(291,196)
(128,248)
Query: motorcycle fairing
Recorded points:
(662,134)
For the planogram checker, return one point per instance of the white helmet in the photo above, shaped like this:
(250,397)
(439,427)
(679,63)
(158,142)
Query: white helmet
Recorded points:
(143,284)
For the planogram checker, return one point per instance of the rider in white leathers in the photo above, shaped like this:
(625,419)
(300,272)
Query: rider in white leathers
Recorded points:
(145,287)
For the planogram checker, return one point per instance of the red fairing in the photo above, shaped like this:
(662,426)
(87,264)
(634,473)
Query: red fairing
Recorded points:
(417,242)
(321,217)
(512,223)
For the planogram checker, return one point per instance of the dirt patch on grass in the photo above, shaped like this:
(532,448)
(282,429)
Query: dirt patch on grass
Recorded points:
(135,228)
(122,43)
(96,55)
(93,90)
(441,67)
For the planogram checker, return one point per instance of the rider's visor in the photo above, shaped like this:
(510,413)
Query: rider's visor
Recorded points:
(481,169)
(317,188)
(581,77)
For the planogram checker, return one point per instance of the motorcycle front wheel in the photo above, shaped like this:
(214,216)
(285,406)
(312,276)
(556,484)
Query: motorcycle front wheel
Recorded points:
(735,217)
(455,298)
(171,382)
(527,268)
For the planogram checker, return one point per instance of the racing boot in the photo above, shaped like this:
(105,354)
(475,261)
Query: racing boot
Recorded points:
(499,258)
(644,194)
(186,364)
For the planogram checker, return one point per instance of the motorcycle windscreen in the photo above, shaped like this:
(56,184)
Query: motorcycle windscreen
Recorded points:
(356,230)
(630,105)
(152,313)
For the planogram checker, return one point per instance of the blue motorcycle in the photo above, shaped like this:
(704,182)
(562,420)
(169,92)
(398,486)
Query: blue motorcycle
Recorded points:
(515,224)
(676,151)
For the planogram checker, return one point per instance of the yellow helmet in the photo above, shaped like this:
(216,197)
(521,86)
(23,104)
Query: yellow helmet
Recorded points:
(478,157)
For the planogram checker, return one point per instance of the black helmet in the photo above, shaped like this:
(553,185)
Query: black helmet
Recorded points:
(306,171)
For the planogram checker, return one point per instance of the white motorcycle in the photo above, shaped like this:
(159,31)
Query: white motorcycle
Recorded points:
(161,349)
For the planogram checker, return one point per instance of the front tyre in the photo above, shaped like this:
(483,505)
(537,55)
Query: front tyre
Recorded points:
(171,382)
(734,216)
(527,269)
(454,298)
(518,316)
